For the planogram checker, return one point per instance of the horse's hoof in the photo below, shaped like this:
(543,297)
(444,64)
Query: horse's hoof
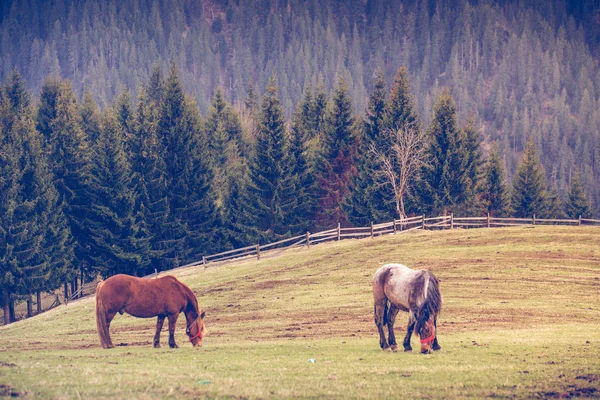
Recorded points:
(394,348)
(437,348)
(388,349)
(407,349)
(173,346)
(157,346)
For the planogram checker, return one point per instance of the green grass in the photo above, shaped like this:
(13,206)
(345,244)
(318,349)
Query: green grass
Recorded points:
(520,320)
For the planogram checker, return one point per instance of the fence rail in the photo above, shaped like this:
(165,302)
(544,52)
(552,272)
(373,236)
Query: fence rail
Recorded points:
(397,226)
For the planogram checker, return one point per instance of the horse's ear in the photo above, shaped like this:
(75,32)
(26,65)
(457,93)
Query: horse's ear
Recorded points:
(202,315)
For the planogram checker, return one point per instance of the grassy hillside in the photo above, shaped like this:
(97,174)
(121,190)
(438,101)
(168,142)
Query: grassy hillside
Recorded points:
(520,319)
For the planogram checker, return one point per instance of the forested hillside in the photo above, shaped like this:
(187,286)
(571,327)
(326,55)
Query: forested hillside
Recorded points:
(521,68)
(141,135)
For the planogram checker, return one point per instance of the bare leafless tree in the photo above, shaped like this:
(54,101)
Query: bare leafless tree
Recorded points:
(400,164)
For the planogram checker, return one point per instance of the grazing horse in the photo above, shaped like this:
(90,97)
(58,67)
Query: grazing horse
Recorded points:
(163,297)
(416,292)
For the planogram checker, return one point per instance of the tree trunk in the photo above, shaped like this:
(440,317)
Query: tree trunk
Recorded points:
(11,309)
(39,301)
(66,292)
(29,308)
(5,300)
(74,288)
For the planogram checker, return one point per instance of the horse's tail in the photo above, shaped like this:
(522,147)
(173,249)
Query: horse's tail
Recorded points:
(101,324)
(432,304)
(385,313)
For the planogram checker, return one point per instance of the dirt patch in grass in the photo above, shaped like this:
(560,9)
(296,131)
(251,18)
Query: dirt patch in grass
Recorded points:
(8,391)
(580,392)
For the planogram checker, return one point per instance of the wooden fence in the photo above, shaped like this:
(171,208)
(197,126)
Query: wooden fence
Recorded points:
(397,226)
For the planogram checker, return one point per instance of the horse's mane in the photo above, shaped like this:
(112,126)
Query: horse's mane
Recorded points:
(433,299)
(191,297)
(189,294)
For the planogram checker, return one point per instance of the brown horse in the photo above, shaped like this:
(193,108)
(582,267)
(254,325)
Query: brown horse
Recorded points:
(163,297)
(416,292)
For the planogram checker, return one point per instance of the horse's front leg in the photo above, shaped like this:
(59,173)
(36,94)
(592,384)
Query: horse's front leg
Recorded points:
(436,346)
(380,311)
(409,330)
(393,311)
(159,324)
(172,323)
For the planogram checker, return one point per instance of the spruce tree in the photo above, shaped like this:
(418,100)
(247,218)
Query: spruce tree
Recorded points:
(495,192)
(529,185)
(369,200)
(578,204)
(34,241)
(473,169)
(152,192)
(189,173)
(10,176)
(118,245)
(46,111)
(91,119)
(305,189)
(268,198)
(444,177)
(336,168)
(70,162)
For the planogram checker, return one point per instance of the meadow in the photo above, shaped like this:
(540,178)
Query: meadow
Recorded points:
(520,320)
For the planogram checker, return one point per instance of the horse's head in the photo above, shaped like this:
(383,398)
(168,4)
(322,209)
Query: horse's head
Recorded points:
(196,330)
(427,335)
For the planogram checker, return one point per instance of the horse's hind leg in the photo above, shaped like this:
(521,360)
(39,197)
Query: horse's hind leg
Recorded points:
(409,330)
(380,320)
(435,346)
(391,319)
(172,323)
(159,324)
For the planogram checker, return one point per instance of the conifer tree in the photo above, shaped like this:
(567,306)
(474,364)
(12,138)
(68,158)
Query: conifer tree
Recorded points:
(10,176)
(578,204)
(268,198)
(529,185)
(149,173)
(70,162)
(473,169)
(91,119)
(444,177)
(337,161)
(495,193)
(369,200)
(34,244)
(118,244)
(123,109)
(46,111)
(189,173)
(305,189)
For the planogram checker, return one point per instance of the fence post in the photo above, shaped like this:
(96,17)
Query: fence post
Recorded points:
(488,220)
(423,222)
(204,262)
(371,229)
(338,232)
(452,221)
(579,222)
(395,226)
(308,239)
(533,221)
(258,252)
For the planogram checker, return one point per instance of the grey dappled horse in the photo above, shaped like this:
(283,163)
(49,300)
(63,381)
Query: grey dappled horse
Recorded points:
(397,287)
